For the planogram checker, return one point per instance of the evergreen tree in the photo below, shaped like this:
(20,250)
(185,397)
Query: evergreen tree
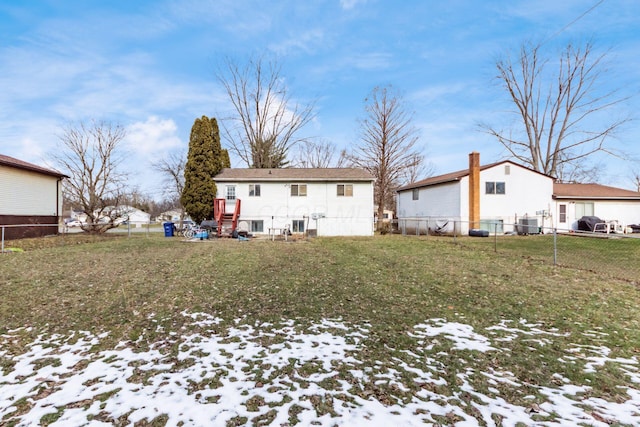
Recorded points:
(205,160)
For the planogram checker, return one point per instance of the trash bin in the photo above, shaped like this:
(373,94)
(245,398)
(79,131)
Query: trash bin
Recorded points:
(168,229)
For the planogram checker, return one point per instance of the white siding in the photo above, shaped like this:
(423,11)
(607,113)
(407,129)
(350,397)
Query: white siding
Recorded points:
(436,201)
(276,207)
(526,192)
(625,212)
(28,193)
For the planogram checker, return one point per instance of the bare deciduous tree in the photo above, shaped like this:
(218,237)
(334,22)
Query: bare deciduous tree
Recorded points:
(319,154)
(172,169)
(387,148)
(561,113)
(635,178)
(417,170)
(266,123)
(90,154)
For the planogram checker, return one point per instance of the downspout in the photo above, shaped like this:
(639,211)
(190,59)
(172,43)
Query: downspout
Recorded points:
(58,186)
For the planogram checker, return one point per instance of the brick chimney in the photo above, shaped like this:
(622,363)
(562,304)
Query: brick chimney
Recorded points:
(474,190)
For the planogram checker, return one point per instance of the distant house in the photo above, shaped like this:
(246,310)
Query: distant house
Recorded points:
(172,215)
(387,214)
(323,202)
(572,201)
(134,216)
(507,197)
(29,194)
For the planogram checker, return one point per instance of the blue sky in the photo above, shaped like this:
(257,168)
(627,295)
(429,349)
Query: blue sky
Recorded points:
(150,65)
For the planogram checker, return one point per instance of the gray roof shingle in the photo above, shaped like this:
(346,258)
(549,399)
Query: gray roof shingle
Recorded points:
(592,191)
(294,174)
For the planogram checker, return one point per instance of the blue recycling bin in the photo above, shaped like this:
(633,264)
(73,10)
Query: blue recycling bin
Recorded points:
(168,229)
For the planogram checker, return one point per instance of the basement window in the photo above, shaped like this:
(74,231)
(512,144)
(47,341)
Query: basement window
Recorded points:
(492,187)
(297,226)
(257,226)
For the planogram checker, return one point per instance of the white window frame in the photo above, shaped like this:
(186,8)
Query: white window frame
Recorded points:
(254,190)
(296,225)
(584,209)
(493,187)
(230,192)
(562,213)
(347,190)
(298,188)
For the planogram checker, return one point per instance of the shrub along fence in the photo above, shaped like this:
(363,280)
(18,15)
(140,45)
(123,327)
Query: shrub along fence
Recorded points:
(613,254)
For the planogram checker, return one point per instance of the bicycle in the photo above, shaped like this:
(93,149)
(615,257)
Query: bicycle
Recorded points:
(192,231)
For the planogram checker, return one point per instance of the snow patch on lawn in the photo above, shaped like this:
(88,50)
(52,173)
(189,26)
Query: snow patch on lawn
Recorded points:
(280,375)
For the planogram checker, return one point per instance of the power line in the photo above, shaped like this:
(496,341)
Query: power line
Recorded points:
(572,22)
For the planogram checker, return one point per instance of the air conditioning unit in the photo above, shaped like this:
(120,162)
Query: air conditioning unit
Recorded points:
(528,226)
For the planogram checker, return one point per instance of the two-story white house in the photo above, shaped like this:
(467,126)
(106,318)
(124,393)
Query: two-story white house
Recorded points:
(322,202)
(507,197)
(492,197)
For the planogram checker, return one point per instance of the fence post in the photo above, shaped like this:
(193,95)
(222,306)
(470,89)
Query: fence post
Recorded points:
(495,237)
(2,251)
(427,227)
(555,246)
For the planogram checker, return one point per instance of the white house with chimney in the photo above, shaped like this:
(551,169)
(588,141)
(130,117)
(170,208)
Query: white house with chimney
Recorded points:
(507,197)
(322,202)
(500,195)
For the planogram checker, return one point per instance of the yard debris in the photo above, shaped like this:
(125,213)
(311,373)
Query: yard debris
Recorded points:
(533,408)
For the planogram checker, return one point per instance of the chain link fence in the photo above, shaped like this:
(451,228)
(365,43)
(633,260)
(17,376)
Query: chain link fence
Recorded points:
(612,254)
(10,232)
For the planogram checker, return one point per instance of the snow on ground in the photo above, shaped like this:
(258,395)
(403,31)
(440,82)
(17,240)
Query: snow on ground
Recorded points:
(279,375)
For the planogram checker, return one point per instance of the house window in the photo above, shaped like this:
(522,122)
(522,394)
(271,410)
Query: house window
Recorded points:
(562,213)
(299,190)
(416,194)
(345,190)
(297,226)
(584,209)
(231,192)
(254,190)
(492,187)
(257,226)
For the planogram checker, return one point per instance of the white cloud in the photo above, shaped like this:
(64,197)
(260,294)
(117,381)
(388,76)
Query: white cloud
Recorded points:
(152,136)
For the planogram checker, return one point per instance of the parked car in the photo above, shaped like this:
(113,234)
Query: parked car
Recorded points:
(74,223)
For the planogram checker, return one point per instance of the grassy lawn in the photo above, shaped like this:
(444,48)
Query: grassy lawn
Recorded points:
(546,325)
